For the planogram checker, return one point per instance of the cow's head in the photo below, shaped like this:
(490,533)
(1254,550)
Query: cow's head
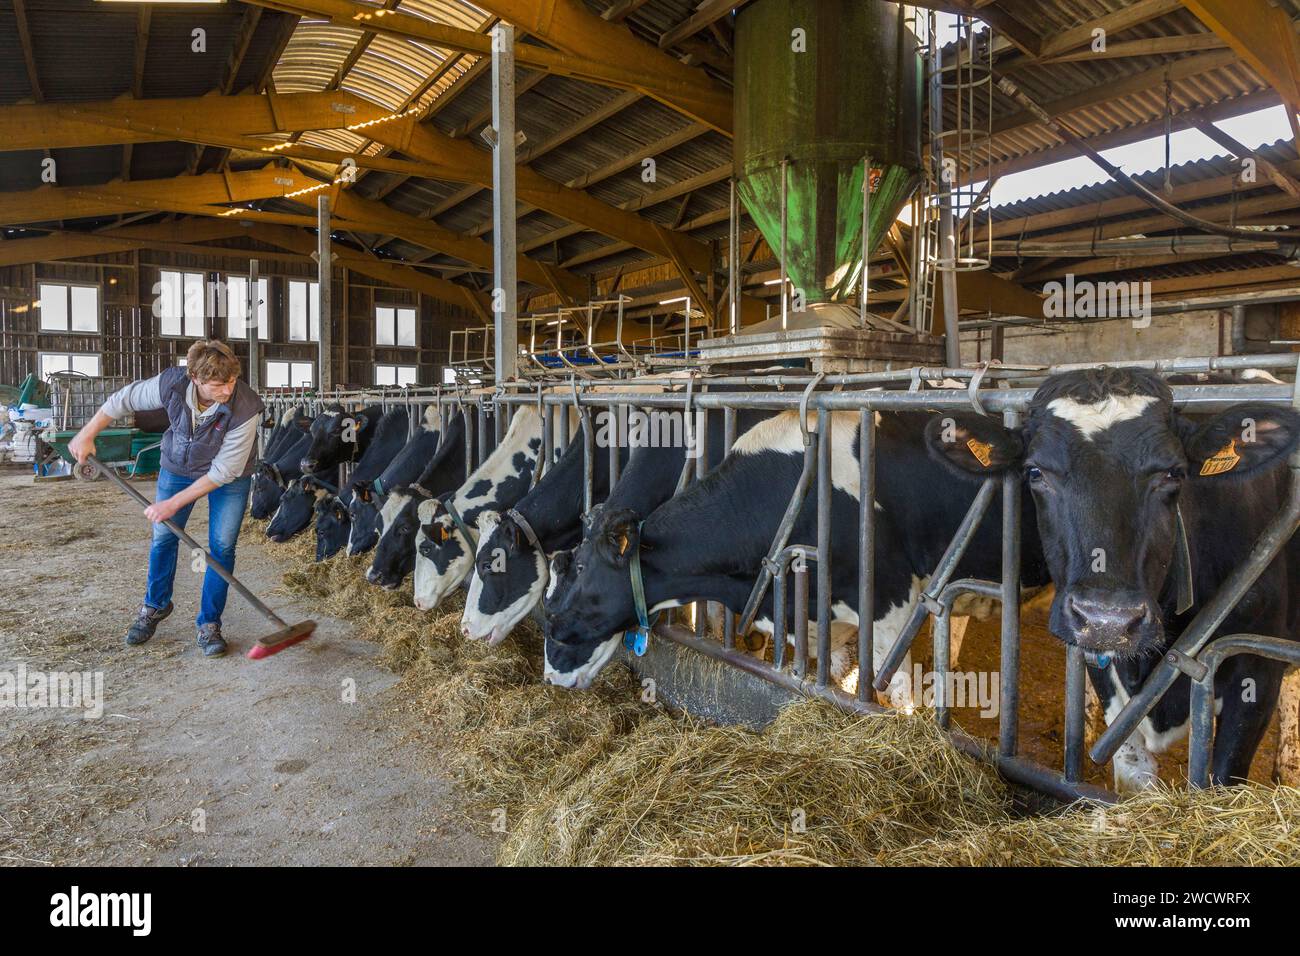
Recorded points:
(1107,458)
(331,434)
(443,555)
(332,526)
(265,495)
(365,523)
(295,511)
(509,578)
(395,551)
(591,603)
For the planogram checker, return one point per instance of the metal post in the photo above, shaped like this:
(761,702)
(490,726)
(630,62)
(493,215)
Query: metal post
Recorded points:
(866,552)
(1075,707)
(733,260)
(504,249)
(866,232)
(701,469)
(947,229)
(1009,717)
(824,447)
(785,175)
(728,439)
(325,374)
(252,309)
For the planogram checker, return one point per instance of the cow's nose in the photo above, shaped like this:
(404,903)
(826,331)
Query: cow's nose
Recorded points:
(1104,620)
(308,465)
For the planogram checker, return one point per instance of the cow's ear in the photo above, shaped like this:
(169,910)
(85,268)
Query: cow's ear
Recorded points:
(621,533)
(361,420)
(973,445)
(1242,439)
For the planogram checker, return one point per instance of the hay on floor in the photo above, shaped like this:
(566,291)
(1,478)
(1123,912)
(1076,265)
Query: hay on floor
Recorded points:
(817,787)
(1228,826)
(600,777)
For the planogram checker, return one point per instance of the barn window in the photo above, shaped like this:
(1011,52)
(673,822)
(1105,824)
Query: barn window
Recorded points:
(69,308)
(304,312)
(284,374)
(394,325)
(237,308)
(396,374)
(84,362)
(180,304)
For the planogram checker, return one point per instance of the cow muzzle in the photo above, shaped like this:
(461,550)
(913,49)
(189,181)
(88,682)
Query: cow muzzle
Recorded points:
(1105,623)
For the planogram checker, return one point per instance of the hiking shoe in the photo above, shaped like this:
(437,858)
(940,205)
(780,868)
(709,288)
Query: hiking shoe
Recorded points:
(146,622)
(210,640)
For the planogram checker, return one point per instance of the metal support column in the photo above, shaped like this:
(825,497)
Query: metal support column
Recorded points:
(325,365)
(947,227)
(252,310)
(505,285)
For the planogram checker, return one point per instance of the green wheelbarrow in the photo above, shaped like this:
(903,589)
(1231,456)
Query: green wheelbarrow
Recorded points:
(130,449)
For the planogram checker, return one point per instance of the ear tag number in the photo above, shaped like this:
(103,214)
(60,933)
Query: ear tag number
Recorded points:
(982,451)
(1223,461)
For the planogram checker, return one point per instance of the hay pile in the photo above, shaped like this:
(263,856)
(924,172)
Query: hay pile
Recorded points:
(1239,826)
(602,778)
(817,787)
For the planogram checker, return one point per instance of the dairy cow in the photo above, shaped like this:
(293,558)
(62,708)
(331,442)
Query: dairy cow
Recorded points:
(395,552)
(510,571)
(384,437)
(708,543)
(339,435)
(1114,470)
(368,496)
(497,601)
(332,523)
(444,556)
(272,476)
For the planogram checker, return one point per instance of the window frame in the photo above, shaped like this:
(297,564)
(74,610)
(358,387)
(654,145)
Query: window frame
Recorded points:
(313,304)
(42,353)
(67,286)
(396,367)
(415,325)
(264,309)
(184,332)
(290,362)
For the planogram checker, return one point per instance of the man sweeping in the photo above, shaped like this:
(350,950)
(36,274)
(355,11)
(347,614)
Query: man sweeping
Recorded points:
(209,449)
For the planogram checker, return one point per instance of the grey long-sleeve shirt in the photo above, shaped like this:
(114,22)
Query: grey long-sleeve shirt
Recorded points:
(238,445)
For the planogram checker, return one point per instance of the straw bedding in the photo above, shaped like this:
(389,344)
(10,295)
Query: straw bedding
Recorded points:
(604,778)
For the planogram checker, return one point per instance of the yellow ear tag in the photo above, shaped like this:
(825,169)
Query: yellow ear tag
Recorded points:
(982,451)
(622,545)
(1224,460)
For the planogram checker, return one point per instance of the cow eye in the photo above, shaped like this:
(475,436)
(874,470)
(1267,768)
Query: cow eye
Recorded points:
(1034,475)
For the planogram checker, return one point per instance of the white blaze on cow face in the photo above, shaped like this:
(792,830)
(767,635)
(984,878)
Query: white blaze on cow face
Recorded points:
(493,627)
(1101,415)
(393,504)
(481,493)
(581,678)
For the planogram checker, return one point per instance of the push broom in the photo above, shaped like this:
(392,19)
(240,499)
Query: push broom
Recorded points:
(273,643)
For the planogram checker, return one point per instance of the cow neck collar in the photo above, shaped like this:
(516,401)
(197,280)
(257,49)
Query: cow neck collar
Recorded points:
(637,639)
(461,526)
(526,528)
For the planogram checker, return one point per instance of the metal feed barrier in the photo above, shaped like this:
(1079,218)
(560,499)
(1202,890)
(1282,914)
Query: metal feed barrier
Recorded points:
(813,395)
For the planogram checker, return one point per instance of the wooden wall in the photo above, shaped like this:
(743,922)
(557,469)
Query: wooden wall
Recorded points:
(130,344)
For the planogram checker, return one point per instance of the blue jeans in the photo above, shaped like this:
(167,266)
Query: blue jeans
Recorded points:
(226,507)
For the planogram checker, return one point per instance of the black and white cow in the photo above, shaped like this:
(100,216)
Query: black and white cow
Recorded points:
(385,437)
(339,435)
(273,476)
(332,523)
(1113,468)
(443,557)
(368,496)
(395,552)
(708,543)
(648,477)
(510,574)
